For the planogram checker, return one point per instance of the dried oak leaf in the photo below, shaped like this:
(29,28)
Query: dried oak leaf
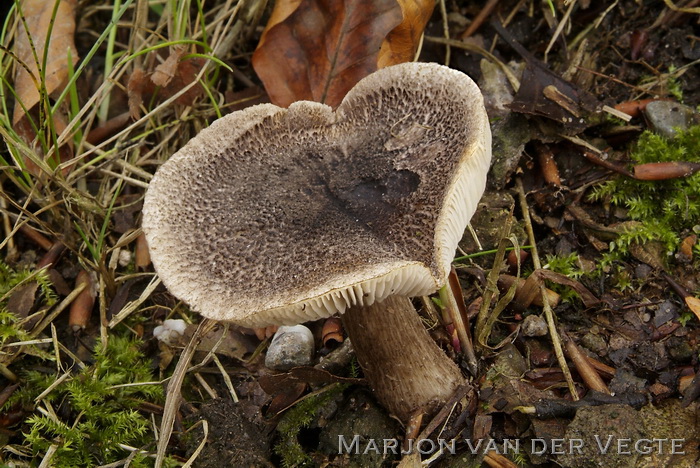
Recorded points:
(165,72)
(320,49)
(402,42)
(38,15)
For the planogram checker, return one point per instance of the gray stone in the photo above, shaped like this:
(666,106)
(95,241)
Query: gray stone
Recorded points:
(666,116)
(534,325)
(290,347)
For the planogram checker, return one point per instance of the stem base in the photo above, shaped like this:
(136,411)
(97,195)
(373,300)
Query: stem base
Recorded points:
(406,369)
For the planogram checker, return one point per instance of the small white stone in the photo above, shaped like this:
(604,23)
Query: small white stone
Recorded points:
(290,347)
(170,331)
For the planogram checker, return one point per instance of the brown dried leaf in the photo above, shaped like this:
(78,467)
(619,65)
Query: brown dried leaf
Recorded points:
(135,90)
(652,253)
(402,42)
(185,75)
(693,304)
(175,74)
(22,299)
(589,375)
(286,398)
(232,345)
(112,126)
(527,293)
(38,14)
(165,72)
(319,50)
(587,297)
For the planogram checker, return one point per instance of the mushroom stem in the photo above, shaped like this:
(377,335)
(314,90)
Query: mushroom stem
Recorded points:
(406,369)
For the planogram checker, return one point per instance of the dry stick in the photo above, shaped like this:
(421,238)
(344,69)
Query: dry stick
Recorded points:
(512,79)
(224,374)
(462,392)
(560,28)
(495,460)
(37,237)
(445,31)
(673,7)
(172,399)
(131,306)
(50,452)
(485,319)
(549,314)
(7,373)
(57,310)
(595,159)
(600,367)
(7,225)
(200,447)
(480,18)
(448,296)
(104,332)
(587,372)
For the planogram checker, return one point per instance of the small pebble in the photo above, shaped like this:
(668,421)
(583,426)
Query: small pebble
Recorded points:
(642,271)
(665,116)
(534,325)
(595,343)
(290,347)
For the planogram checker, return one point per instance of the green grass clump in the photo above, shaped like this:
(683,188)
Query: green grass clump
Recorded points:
(666,208)
(91,416)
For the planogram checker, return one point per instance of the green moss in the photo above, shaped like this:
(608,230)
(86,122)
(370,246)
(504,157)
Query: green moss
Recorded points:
(298,418)
(666,209)
(568,266)
(92,412)
(10,279)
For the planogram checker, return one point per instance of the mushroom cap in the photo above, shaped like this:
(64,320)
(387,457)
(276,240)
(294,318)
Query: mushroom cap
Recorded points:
(279,216)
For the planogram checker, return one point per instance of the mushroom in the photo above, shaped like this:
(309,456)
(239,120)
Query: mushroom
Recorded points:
(281,216)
